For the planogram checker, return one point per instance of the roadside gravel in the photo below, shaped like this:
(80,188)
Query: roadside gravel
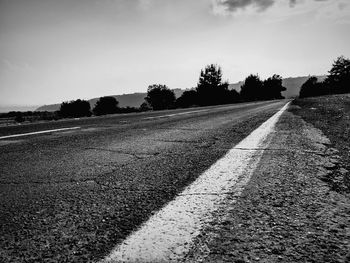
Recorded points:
(331,114)
(287,213)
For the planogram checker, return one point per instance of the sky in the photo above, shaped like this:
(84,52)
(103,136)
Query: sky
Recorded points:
(58,50)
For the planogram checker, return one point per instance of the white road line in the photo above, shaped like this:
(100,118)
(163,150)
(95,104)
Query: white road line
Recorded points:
(167,235)
(174,114)
(38,132)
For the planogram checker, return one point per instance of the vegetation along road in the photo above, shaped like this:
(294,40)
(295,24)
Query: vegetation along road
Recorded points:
(74,195)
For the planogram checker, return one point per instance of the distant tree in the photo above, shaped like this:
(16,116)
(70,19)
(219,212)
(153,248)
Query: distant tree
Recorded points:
(252,89)
(128,109)
(234,96)
(145,106)
(12,113)
(210,88)
(312,88)
(75,108)
(308,88)
(338,79)
(160,97)
(19,117)
(273,87)
(106,105)
(187,99)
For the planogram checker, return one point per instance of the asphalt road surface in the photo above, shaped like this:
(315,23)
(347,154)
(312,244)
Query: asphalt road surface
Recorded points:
(71,195)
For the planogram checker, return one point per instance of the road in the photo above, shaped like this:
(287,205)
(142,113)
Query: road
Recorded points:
(72,195)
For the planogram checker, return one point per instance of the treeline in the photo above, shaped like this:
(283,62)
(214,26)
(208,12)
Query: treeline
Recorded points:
(336,82)
(81,108)
(68,109)
(211,90)
(30,116)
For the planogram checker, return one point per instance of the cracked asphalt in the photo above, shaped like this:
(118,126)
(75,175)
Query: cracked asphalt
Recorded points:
(71,196)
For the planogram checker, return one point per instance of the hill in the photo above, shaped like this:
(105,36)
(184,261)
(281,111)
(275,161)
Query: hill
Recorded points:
(4,109)
(135,99)
(125,100)
(293,85)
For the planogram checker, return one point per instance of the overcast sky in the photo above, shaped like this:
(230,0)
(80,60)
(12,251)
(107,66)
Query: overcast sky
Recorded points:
(57,50)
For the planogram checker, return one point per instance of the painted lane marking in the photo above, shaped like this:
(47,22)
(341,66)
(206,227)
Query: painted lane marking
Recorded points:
(167,235)
(38,132)
(174,114)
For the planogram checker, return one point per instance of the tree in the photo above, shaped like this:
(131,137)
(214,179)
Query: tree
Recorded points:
(308,88)
(145,106)
(187,99)
(19,117)
(75,108)
(273,87)
(312,88)
(234,96)
(210,88)
(252,89)
(160,97)
(106,105)
(339,76)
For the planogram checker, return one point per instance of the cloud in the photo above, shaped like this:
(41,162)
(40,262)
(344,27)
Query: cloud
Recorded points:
(292,3)
(145,4)
(234,5)
(261,5)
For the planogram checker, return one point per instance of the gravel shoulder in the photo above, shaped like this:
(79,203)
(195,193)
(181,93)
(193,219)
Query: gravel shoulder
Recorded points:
(287,212)
(331,114)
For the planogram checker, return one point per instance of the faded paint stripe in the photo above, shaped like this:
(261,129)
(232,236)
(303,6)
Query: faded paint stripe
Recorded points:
(174,114)
(38,132)
(167,235)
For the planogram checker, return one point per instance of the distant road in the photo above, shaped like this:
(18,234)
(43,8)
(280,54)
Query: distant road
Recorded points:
(102,120)
(71,190)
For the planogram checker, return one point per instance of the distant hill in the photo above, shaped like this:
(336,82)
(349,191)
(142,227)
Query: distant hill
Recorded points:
(236,86)
(136,99)
(293,85)
(125,100)
(51,107)
(4,109)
